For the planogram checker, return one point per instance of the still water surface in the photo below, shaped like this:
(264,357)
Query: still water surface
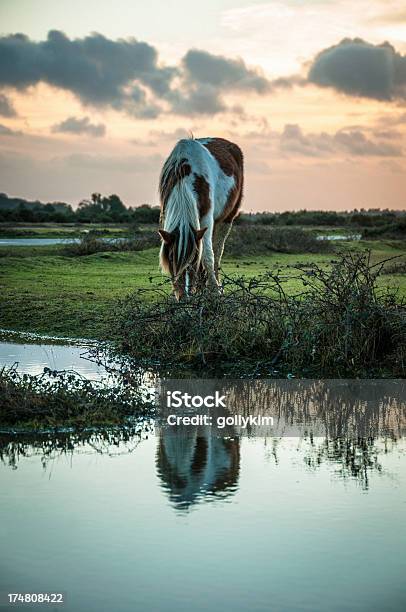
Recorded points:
(49,241)
(34,241)
(33,358)
(169,522)
(119,532)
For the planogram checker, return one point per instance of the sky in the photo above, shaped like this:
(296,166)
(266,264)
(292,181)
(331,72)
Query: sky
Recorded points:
(94,95)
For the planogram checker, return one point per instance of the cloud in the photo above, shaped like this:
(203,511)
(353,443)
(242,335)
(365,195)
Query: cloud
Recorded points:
(392,17)
(6,131)
(221,72)
(128,164)
(358,68)
(207,78)
(356,143)
(350,141)
(293,140)
(392,120)
(75,125)
(199,100)
(6,107)
(97,70)
(125,74)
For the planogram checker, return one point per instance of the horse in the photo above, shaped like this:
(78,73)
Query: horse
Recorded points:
(195,464)
(200,188)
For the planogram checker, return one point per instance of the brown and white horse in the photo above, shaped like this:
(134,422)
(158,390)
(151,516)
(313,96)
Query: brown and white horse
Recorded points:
(200,187)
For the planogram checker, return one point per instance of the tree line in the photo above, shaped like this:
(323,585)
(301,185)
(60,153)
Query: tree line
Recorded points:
(111,209)
(97,209)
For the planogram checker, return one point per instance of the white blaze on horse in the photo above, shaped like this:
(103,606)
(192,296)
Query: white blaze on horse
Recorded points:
(200,187)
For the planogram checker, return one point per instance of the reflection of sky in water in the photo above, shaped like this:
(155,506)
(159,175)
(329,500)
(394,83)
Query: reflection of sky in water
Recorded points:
(287,538)
(292,524)
(33,358)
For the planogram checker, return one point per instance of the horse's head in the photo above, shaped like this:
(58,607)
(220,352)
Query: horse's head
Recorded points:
(180,258)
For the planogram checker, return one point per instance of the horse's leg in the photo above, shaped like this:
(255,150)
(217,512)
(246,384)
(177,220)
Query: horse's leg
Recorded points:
(208,255)
(221,233)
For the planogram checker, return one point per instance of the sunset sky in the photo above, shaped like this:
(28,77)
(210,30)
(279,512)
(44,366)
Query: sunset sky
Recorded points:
(94,95)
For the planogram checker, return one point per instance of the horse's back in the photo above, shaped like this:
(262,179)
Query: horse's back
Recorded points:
(227,154)
(213,168)
(229,158)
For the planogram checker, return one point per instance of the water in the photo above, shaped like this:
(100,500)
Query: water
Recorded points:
(339,237)
(49,241)
(186,519)
(118,532)
(33,358)
(34,241)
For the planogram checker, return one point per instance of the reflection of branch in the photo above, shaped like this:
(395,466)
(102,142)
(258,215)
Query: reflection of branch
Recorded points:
(13,447)
(355,458)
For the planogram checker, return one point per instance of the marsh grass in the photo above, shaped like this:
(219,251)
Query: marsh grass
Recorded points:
(337,323)
(65,398)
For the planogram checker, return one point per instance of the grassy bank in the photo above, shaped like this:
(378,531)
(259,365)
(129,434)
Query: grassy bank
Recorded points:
(46,290)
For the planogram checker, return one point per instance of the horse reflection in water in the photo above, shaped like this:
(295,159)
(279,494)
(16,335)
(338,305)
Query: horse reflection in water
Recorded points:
(196,465)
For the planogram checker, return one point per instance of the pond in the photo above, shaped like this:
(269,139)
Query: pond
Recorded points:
(339,237)
(176,520)
(33,358)
(34,241)
(50,241)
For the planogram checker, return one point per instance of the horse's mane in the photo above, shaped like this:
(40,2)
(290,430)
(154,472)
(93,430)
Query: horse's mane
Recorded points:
(179,207)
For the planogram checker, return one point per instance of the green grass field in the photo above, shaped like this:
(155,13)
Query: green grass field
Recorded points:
(46,291)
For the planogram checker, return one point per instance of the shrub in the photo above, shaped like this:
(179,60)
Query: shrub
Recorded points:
(338,323)
(92,243)
(258,240)
(395,230)
(63,397)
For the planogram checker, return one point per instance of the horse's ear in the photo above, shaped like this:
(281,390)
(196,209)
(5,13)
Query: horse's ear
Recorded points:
(167,237)
(200,233)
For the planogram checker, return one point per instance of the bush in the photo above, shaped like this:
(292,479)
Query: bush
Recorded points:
(259,240)
(56,398)
(396,230)
(398,267)
(339,323)
(91,243)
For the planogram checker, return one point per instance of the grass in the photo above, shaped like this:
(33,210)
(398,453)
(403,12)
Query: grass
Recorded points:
(45,290)
(62,295)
